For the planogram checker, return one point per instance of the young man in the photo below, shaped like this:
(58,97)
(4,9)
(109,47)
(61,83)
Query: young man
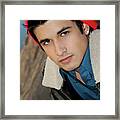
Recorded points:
(66,43)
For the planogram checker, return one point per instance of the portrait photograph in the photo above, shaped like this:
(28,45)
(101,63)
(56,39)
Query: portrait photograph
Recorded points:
(60,60)
(58,66)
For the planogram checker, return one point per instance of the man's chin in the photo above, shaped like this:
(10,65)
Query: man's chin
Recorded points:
(69,68)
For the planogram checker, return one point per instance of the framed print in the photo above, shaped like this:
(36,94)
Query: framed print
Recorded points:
(60,60)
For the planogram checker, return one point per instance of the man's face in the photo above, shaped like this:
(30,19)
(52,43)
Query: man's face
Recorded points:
(63,42)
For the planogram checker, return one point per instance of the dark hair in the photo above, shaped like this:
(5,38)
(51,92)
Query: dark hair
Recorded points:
(32,24)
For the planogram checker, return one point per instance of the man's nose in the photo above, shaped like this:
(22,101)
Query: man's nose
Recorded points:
(59,48)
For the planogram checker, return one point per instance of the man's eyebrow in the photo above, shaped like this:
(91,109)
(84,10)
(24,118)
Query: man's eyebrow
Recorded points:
(64,28)
(44,40)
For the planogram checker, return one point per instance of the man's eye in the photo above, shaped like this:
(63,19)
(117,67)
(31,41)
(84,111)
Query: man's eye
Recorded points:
(45,42)
(64,33)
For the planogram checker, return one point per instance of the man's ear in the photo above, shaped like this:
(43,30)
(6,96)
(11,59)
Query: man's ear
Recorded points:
(86,29)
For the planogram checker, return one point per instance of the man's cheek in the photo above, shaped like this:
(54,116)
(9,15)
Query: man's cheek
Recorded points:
(53,58)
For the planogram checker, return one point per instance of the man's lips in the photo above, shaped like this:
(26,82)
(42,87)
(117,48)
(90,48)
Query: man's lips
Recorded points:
(66,59)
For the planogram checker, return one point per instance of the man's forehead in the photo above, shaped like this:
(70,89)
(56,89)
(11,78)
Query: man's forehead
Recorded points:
(53,26)
(56,23)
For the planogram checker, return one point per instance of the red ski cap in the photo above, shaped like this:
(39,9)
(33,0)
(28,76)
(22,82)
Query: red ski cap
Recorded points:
(91,23)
